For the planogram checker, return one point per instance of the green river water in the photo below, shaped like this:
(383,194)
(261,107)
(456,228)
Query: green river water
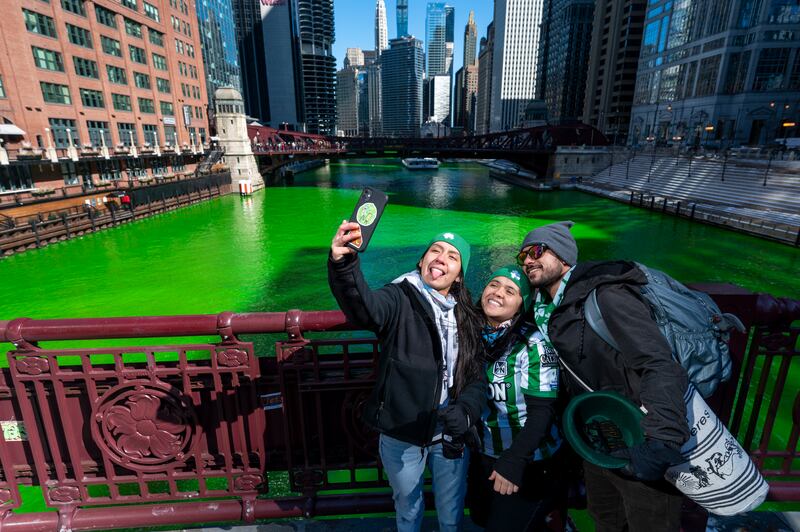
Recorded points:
(268,252)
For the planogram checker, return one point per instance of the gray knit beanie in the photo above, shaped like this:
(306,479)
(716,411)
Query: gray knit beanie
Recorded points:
(556,237)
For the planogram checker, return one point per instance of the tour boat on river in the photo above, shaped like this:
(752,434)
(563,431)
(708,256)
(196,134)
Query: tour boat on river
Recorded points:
(421,163)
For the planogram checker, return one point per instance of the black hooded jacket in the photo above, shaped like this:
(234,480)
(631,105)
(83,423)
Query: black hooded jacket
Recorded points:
(644,370)
(405,399)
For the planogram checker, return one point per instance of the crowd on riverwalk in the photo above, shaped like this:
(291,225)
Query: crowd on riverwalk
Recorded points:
(483,393)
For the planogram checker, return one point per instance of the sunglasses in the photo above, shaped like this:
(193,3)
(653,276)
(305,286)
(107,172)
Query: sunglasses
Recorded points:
(535,252)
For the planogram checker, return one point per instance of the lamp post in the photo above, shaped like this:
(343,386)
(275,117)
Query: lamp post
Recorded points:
(708,129)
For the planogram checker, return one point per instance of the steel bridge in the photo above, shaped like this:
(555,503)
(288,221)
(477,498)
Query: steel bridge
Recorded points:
(531,148)
(149,428)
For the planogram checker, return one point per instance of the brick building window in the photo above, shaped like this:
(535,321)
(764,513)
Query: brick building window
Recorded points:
(109,171)
(133,28)
(167,109)
(74,6)
(69,172)
(159,61)
(142,81)
(129,3)
(15,178)
(117,75)
(38,23)
(151,11)
(146,105)
(110,46)
(2,88)
(156,37)
(79,36)
(59,126)
(86,68)
(47,59)
(55,93)
(126,132)
(105,16)
(150,134)
(170,135)
(163,85)
(91,98)
(137,54)
(98,131)
(122,102)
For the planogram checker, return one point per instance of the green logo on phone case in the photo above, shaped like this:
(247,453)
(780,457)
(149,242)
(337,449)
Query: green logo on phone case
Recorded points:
(366,214)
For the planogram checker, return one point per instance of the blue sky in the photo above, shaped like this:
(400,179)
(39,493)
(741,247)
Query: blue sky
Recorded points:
(355,23)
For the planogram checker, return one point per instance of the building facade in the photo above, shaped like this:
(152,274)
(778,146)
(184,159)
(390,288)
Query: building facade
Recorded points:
(354,57)
(315,21)
(347,102)
(267,36)
(563,57)
(718,73)
(466,80)
(613,62)
(93,74)
(402,68)
(381,28)
(218,44)
(401,17)
(484,95)
(439,99)
(374,103)
(449,37)
(514,61)
(435,34)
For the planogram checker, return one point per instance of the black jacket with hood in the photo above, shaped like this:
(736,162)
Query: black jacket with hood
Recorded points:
(644,370)
(405,399)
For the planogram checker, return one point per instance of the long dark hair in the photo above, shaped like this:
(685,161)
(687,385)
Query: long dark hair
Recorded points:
(469,322)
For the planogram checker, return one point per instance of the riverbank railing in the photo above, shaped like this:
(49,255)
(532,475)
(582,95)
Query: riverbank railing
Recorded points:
(169,420)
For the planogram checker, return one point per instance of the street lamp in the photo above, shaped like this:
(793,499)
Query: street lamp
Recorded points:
(709,128)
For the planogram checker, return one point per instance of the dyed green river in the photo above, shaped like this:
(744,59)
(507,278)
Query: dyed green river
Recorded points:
(268,253)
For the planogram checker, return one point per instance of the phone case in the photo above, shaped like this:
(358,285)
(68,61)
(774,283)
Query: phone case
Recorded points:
(367,214)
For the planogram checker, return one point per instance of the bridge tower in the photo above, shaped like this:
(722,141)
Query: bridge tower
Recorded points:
(232,133)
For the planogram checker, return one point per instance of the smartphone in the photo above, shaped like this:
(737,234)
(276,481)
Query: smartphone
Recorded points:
(367,214)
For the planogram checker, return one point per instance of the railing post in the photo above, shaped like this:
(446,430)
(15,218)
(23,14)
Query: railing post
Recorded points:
(769,163)
(91,219)
(36,233)
(652,161)
(628,166)
(689,174)
(693,207)
(724,165)
(66,224)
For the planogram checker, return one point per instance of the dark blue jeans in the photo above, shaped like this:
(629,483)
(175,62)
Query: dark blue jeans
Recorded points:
(619,504)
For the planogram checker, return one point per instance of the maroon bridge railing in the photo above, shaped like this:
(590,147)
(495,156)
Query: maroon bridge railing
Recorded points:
(190,431)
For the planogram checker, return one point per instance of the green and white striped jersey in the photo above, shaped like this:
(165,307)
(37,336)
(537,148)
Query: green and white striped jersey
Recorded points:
(526,368)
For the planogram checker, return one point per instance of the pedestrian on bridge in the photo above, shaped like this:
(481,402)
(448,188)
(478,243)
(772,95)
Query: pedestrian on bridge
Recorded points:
(429,388)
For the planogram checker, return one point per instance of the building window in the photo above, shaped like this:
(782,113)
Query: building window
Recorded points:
(129,3)
(47,59)
(783,12)
(150,134)
(170,135)
(91,98)
(133,28)
(79,36)
(167,109)
(122,102)
(137,54)
(156,37)
(98,132)
(110,46)
(707,76)
(142,81)
(151,11)
(179,46)
(74,6)
(2,88)
(737,72)
(41,24)
(126,133)
(203,135)
(59,126)
(794,81)
(146,105)
(160,62)
(105,16)
(55,93)
(86,68)
(109,171)
(771,69)
(117,75)
(163,85)
(69,172)
(15,178)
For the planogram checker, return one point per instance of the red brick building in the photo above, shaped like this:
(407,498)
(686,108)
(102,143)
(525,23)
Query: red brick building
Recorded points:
(80,75)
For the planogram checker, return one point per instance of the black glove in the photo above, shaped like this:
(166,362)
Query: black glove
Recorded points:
(649,460)
(455,419)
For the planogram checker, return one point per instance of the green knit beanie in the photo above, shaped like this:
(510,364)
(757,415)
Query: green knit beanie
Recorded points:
(518,277)
(457,242)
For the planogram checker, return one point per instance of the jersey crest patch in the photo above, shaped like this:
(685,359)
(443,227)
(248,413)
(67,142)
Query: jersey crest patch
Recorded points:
(500,368)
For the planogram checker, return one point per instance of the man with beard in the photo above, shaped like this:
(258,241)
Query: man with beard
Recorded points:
(636,498)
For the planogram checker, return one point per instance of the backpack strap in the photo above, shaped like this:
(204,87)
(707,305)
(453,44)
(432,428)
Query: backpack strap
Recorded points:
(591,311)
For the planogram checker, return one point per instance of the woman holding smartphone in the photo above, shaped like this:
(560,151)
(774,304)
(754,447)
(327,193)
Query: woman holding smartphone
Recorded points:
(429,380)
(513,483)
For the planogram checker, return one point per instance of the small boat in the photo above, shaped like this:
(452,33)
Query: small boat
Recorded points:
(421,163)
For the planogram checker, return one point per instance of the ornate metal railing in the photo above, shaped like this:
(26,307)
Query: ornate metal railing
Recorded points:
(188,431)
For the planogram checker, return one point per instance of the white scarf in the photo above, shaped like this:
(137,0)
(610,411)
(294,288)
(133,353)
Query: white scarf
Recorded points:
(445,318)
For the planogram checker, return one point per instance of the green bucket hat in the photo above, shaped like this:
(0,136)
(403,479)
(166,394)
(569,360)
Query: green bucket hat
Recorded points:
(457,242)
(515,274)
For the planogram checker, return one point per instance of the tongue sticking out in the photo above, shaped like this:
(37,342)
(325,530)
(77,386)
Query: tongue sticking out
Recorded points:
(436,273)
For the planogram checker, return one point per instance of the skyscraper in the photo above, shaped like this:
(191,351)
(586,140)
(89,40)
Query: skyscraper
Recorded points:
(514,61)
(402,18)
(374,103)
(381,28)
(485,69)
(466,80)
(435,33)
(470,40)
(613,60)
(564,57)
(401,80)
(269,50)
(218,44)
(347,101)
(449,37)
(315,20)
(354,57)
